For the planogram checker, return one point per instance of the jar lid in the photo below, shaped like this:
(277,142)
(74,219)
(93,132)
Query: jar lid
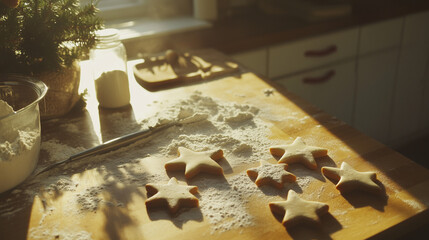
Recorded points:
(107,35)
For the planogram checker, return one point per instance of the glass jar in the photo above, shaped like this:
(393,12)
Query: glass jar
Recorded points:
(109,67)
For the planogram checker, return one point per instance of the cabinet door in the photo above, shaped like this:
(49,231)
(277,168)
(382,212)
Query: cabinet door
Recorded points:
(375,86)
(312,53)
(381,35)
(255,60)
(331,88)
(416,31)
(408,115)
(409,110)
(425,109)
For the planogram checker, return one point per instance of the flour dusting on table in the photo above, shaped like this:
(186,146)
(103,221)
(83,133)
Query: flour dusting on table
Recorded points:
(237,129)
(58,151)
(224,204)
(234,128)
(53,233)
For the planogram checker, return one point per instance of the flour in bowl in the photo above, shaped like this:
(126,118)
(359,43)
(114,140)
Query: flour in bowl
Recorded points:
(19,149)
(5,109)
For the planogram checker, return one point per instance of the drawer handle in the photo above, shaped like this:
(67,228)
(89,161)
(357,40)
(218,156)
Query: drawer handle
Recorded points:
(321,53)
(318,80)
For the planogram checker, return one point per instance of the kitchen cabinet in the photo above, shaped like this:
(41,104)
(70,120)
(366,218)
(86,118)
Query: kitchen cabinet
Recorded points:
(381,80)
(376,75)
(416,29)
(330,88)
(408,119)
(374,93)
(310,69)
(311,53)
(379,36)
(254,60)
(425,110)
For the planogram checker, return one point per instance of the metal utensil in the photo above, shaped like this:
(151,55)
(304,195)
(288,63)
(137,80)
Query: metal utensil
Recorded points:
(122,141)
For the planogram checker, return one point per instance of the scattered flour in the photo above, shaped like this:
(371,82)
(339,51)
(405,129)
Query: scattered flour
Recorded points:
(410,202)
(303,182)
(304,175)
(116,127)
(53,185)
(70,127)
(224,204)
(237,129)
(61,185)
(47,211)
(58,151)
(41,232)
(234,128)
(89,200)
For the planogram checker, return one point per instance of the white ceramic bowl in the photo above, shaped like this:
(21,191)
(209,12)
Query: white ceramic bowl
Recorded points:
(19,131)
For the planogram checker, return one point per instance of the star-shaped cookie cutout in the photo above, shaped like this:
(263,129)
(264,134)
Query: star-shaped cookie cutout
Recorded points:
(196,162)
(349,179)
(173,195)
(274,174)
(300,152)
(296,210)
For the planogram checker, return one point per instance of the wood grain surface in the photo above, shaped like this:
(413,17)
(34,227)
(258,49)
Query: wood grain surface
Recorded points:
(352,216)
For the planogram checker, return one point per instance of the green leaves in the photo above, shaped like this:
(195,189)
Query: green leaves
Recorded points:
(46,35)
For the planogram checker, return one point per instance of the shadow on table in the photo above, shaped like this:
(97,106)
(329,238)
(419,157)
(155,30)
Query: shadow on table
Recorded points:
(179,219)
(310,230)
(401,170)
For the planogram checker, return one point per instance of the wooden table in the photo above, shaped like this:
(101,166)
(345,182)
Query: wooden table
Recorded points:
(49,215)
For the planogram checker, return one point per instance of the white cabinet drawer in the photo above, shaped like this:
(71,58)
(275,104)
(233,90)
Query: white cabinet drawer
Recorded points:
(330,88)
(416,30)
(382,35)
(311,53)
(254,60)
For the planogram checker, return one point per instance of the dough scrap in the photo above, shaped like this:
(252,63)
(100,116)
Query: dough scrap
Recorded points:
(349,179)
(196,162)
(274,174)
(300,152)
(173,195)
(296,210)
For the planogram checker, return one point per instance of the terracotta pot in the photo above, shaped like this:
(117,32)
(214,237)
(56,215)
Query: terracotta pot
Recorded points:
(63,91)
(11,3)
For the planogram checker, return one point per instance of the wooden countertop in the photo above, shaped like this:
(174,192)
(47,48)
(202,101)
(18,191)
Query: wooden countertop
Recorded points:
(255,29)
(50,213)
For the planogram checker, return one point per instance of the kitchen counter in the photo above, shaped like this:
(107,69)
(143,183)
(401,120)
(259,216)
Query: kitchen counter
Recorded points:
(255,29)
(103,197)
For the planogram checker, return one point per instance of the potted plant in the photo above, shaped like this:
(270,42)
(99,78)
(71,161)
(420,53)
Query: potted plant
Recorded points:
(46,39)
